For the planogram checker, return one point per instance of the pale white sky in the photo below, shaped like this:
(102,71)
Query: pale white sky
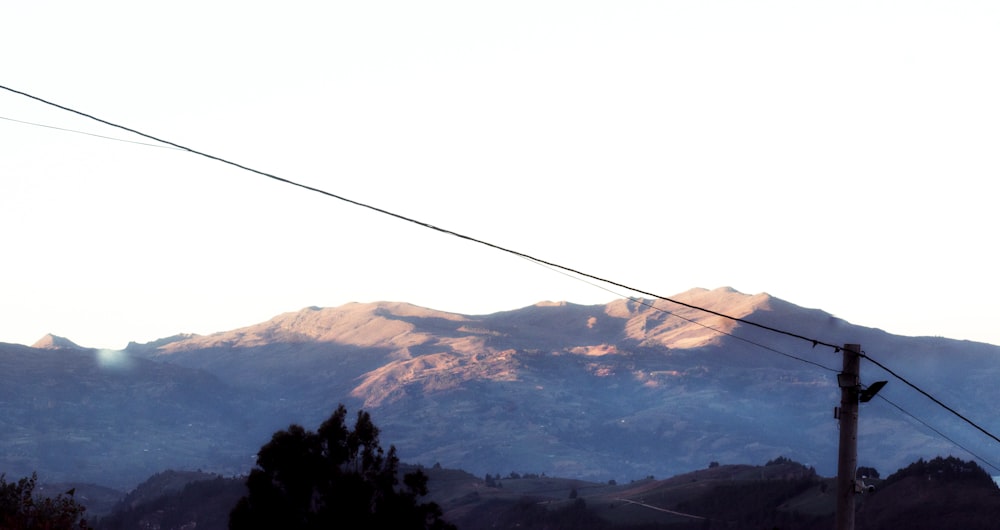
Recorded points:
(840,156)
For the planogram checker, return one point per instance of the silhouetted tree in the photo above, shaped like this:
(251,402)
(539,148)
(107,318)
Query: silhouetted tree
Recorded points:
(21,510)
(333,478)
(866,472)
(942,469)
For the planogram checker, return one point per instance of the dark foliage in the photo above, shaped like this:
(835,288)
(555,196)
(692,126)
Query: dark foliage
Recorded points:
(867,472)
(948,469)
(333,478)
(780,460)
(934,494)
(21,510)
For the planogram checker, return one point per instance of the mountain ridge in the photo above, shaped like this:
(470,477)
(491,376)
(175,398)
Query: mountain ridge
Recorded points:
(624,389)
(291,326)
(377,329)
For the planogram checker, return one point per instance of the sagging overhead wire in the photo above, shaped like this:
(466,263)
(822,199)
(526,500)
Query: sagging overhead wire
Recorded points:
(939,433)
(158,146)
(652,305)
(814,342)
(932,398)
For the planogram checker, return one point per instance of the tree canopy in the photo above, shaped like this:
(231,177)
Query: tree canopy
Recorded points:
(945,469)
(20,509)
(333,478)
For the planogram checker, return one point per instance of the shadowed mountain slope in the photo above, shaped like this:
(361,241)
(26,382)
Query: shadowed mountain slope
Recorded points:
(109,418)
(616,391)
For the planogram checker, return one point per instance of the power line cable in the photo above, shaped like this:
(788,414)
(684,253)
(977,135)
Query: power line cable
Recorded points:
(932,398)
(652,305)
(901,409)
(814,342)
(87,133)
(939,433)
(865,355)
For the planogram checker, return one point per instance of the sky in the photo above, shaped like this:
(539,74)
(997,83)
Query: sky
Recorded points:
(839,156)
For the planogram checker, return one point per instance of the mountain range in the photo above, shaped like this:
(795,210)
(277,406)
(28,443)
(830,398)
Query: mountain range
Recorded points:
(626,390)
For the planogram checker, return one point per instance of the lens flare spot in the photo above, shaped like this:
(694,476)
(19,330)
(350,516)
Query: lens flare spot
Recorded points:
(113,359)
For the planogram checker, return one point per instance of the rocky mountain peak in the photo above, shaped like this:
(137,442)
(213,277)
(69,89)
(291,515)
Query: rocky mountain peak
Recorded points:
(677,324)
(377,324)
(55,342)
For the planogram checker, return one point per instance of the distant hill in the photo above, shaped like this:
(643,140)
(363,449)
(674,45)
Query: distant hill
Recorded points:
(175,500)
(82,415)
(618,391)
(931,494)
(941,493)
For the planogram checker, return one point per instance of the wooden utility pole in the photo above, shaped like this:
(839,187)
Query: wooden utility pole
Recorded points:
(849,381)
